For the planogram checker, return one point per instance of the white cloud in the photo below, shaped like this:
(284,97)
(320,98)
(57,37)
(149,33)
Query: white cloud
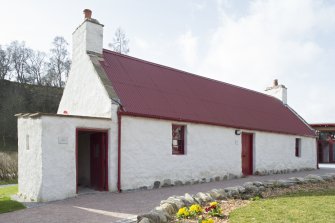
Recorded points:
(277,39)
(188,47)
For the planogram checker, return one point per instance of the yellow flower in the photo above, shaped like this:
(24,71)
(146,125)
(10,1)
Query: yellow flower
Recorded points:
(209,220)
(196,208)
(183,213)
(213,204)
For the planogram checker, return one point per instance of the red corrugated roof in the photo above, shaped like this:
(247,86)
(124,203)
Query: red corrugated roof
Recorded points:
(151,90)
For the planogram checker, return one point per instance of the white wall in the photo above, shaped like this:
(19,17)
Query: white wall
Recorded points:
(30,158)
(147,154)
(275,152)
(59,176)
(53,176)
(211,151)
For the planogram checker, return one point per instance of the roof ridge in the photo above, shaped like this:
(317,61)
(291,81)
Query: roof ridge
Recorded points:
(186,72)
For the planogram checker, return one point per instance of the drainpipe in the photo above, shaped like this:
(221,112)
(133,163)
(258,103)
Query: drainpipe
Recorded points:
(119,151)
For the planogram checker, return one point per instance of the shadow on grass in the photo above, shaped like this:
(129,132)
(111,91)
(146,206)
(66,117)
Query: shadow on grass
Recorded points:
(7,205)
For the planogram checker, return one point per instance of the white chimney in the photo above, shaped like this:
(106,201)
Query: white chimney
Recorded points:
(278,91)
(88,37)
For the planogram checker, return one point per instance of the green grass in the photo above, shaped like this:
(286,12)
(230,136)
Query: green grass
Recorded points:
(11,181)
(6,204)
(297,207)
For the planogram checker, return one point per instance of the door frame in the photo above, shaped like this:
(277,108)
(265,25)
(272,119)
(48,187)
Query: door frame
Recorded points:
(95,130)
(251,164)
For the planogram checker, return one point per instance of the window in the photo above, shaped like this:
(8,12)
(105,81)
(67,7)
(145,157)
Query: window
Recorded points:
(297,147)
(178,139)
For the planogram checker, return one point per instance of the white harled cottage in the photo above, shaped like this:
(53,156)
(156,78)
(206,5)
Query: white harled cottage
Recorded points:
(124,123)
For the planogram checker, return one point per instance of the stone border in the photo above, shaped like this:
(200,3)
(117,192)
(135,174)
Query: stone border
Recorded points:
(169,207)
(224,176)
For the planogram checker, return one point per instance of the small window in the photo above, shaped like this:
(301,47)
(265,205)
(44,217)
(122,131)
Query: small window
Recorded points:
(27,142)
(297,147)
(178,139)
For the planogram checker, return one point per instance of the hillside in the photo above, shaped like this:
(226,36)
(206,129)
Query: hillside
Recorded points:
(21,98)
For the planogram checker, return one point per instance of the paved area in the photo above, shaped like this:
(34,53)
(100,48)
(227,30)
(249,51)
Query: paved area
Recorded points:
(105,207)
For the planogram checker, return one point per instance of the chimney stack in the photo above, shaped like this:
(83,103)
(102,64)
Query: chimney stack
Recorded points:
(88,13)
(87,38)
(278,91)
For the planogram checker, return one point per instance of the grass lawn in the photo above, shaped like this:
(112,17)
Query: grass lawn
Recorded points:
(297,207)
(6,204)
(4,182)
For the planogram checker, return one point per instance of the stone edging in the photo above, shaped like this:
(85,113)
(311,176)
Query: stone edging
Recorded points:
(169,207)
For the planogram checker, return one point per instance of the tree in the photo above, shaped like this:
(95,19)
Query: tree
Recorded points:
(59,63)
(19,58)
(36,66)
(5,62)
(120,42)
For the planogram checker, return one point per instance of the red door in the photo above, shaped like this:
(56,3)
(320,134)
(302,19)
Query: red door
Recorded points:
(247,151)
(99,161)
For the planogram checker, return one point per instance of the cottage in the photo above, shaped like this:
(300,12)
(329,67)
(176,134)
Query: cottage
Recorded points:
(124,123)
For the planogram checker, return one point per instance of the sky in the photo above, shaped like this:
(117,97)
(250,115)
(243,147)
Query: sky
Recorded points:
(247,43)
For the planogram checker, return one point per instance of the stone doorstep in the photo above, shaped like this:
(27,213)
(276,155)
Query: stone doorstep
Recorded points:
(170,206)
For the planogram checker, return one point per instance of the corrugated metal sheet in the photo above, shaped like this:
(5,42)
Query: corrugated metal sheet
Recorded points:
(153,90)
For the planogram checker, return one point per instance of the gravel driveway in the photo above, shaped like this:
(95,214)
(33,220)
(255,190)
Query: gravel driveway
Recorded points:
(106,207)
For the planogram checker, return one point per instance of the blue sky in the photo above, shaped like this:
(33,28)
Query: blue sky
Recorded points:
(245,43)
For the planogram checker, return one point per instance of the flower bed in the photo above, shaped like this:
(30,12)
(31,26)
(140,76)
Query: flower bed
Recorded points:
(217,211)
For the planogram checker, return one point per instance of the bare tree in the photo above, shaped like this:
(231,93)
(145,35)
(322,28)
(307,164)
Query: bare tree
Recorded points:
(120,42)
(19,57)
(36,66)
(5,62)
(59,63)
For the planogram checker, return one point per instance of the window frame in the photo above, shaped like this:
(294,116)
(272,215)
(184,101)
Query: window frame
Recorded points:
(297,147)
(178,149)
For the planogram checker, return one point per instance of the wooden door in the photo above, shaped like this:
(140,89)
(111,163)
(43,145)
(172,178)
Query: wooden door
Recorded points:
(98,161)
(247,153)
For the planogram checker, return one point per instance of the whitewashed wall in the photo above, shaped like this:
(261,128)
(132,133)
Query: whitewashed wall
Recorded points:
(211,151)
(30,158)
(57,177)
(275,152)
(147,154)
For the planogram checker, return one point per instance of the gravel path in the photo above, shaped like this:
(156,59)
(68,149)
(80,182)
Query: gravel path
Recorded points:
(105,207)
